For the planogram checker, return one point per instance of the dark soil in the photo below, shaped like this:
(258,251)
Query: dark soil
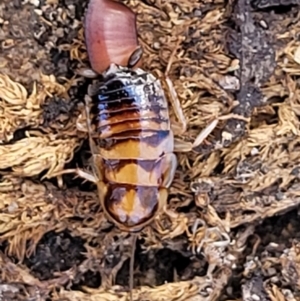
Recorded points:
(38,47)
(56,252)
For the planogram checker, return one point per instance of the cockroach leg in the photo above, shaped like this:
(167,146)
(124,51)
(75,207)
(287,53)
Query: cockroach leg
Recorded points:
(92,90)
(169,169)
(87,176)
(181,146)
(83,120)
(135,57)
(93,146)
(205,133)
(163,198)
(81,124)
(181,128)
(79,173)
(97,160)
(87,72)
(174,97)
(213,124)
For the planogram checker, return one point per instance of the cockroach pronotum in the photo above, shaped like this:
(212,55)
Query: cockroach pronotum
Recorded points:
(128,123)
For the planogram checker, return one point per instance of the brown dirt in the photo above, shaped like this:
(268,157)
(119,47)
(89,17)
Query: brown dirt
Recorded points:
(230,231)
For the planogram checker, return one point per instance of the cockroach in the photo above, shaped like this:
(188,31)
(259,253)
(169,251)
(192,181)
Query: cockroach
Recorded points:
(130,133)
(128,124)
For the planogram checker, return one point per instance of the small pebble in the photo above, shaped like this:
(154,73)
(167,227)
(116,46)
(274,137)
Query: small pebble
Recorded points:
(35,2)
(13,206)
(156,45)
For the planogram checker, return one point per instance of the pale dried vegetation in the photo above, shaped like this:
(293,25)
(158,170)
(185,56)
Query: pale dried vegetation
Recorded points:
(259,177)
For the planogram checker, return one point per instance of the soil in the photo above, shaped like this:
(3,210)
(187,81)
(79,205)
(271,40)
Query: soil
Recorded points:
(71,247)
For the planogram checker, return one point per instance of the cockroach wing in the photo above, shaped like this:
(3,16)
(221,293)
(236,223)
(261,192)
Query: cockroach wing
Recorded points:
(110,34)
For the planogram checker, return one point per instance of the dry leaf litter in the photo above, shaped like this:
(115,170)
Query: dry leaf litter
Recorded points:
(230,231)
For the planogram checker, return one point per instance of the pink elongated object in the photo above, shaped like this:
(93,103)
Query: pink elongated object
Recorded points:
(110,34)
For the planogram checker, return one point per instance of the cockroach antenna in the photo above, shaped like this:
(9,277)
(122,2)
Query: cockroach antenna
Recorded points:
(131,266)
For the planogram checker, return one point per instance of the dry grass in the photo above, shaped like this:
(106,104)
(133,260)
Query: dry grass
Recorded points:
(242,174)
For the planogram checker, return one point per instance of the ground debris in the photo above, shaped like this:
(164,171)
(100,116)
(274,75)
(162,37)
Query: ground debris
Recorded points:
(197,289)
(254,47)
(262,4)
(253,289)
(230,230)
(290,265)
(11,292)
(45,262)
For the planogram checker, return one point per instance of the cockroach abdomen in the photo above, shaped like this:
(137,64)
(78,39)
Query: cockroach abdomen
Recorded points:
(133,133)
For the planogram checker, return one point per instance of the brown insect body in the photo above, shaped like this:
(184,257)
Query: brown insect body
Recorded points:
(134,145)
(128,123)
